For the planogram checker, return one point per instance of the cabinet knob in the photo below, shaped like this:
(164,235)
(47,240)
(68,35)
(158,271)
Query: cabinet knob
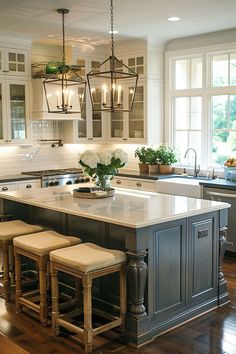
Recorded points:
(4,188)
(28,186)
(118,181)
(138,184)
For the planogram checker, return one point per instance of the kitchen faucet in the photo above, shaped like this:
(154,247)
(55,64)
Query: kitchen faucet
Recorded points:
(196,170)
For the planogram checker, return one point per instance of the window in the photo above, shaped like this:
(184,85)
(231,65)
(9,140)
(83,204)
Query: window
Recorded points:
(202,106)
(223,127)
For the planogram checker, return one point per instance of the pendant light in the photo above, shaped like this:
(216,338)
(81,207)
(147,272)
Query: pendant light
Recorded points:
(112,83)
(64,88)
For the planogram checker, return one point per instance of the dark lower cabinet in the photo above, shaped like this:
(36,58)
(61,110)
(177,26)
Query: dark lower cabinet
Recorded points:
(203,249)
(169,278)
(184,258)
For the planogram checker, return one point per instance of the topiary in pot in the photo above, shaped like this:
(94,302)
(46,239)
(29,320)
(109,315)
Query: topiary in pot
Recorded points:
(166,156)
(152,160)
(141,154)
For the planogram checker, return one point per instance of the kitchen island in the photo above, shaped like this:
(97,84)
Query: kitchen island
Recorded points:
(174,245)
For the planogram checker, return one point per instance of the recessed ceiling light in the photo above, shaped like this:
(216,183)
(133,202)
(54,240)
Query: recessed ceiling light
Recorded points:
(114,32)
(173,19)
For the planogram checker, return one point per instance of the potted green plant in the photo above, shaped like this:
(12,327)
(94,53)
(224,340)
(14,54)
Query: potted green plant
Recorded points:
(165,156)
(141,154)
(152,160)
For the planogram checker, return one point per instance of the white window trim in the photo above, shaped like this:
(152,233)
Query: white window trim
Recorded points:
(206,91)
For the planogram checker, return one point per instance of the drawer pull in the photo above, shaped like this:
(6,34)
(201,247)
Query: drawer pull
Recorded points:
(138,184)
(4,188)
(28,186)
(118,181)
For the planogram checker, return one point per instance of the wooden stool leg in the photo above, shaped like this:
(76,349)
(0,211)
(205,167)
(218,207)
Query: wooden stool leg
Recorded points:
(78,291)
(43,289)
(6,278)
(55,299)
(123,296)
(87,296)
(18,280)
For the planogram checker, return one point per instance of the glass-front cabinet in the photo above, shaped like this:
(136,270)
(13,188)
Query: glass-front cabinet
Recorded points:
(13,111)
(130,126)
(90,125)
(13,61)
(117,126)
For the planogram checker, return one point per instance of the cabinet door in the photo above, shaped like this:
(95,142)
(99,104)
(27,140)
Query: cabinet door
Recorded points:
(137,64)
(136,116)
(16,62)
(17,110)
(202,262)
(129,126)
(169,266)
(3,119)
(2,60)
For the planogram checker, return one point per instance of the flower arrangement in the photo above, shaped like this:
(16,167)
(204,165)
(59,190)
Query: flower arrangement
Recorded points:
(103,165)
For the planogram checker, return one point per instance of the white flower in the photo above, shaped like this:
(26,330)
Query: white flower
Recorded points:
(121,155)
(105,157)
(90,158)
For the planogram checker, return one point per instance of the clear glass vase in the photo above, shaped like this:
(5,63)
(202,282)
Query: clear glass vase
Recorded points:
(103,182)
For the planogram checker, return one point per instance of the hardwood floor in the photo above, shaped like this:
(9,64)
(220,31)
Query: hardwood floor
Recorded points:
(213,333)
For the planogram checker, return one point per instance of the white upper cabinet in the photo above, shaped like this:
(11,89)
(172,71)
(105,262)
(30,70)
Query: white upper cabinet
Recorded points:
(14,111)
(91,127)
(14,92)
(14,61)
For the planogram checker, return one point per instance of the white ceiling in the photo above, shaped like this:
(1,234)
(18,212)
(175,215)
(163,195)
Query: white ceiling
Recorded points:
(89,20)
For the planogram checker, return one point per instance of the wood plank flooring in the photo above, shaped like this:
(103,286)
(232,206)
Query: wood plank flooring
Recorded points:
(213,333)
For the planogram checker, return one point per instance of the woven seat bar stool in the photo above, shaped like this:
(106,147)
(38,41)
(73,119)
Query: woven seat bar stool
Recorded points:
(37,247)
(87,261)
(8,231)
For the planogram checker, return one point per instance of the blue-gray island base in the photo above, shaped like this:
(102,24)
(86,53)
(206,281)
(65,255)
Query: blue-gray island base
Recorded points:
(175,246)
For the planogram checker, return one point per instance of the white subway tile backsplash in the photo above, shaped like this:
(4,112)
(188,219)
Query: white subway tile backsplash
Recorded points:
(15,159)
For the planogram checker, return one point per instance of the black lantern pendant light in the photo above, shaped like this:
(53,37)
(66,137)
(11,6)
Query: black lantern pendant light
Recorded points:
(112,83)
(64,88)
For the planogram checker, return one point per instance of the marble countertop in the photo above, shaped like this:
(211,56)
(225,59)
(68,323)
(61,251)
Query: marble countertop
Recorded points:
(127,207)
(16,177)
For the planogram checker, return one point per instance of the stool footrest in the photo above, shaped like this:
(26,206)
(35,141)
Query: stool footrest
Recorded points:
(107,326)
(29,304)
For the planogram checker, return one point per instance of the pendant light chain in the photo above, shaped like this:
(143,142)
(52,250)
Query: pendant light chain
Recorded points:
(112,29)
(63,37)
(113,80)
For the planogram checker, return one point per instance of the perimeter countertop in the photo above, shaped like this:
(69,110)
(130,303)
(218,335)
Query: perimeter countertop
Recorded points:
(17,177)
(127,207)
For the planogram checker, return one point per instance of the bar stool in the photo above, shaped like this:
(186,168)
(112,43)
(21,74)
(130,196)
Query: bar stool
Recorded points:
(37,247)
(9,230)
(87,261)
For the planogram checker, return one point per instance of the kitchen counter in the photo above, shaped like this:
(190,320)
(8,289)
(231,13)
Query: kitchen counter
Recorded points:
(17,177)
(219,183)
(174,249)
(129,208)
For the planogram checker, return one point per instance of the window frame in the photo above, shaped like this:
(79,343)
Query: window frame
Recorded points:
(206,92)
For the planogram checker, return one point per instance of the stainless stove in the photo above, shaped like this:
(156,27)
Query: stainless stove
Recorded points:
(60,177)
